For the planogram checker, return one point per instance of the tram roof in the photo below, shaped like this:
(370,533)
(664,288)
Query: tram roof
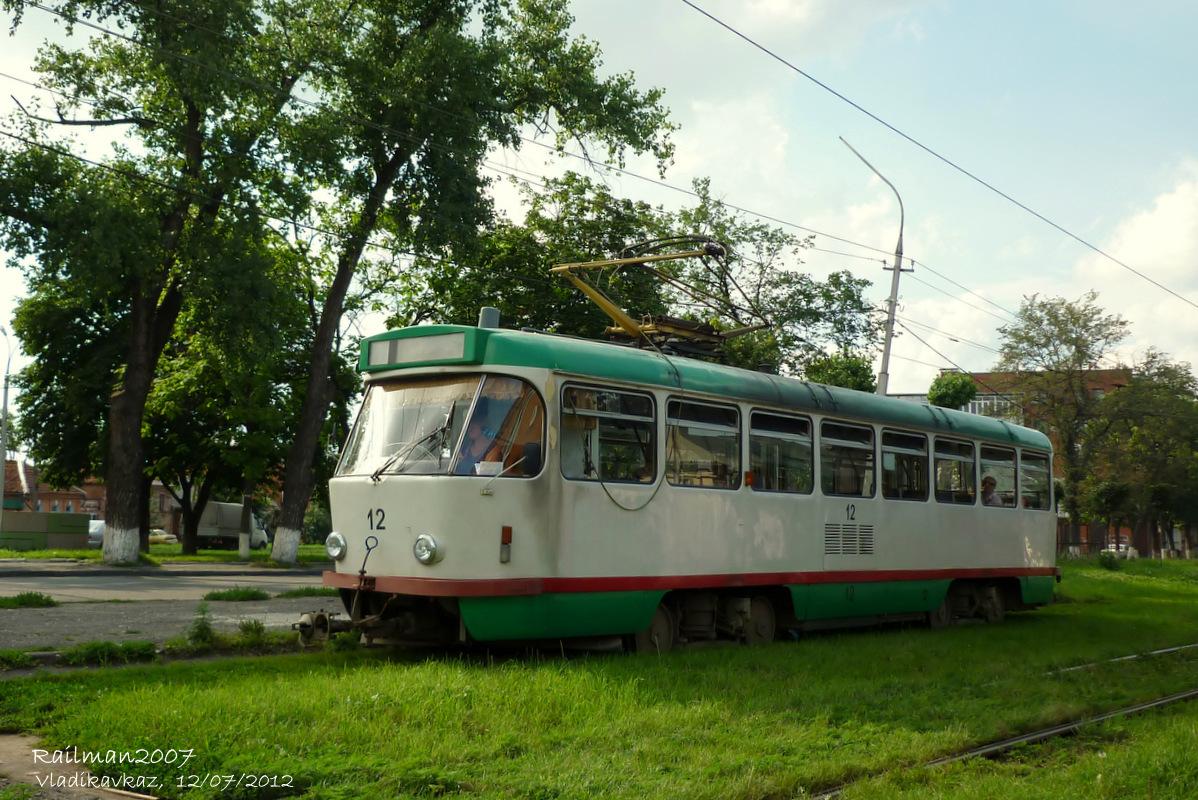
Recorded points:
(447,345)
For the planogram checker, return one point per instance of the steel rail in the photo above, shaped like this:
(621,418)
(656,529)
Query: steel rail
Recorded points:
(996,748)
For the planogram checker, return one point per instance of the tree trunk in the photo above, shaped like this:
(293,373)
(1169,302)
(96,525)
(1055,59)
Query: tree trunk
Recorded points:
(125,457)
(298,476)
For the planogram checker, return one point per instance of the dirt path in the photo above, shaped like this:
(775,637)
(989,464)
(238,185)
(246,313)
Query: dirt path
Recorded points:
(23,761)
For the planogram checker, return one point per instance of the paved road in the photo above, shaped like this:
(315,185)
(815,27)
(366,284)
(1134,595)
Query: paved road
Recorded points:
(169,595)
(72,581)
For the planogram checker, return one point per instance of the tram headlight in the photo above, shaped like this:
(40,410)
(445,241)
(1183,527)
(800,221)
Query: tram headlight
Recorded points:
(426,549)
(334,546)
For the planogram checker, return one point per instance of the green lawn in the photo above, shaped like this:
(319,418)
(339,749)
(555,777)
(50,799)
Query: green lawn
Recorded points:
(727,722)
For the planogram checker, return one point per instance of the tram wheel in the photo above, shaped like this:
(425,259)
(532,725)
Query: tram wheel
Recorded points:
(762,623)
(992,605)
(942,616)
(659,636)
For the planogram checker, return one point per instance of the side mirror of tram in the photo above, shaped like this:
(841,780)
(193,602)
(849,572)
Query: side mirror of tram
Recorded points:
(531,464)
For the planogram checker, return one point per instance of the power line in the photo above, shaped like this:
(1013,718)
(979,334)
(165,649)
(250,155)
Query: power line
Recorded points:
(505,170)
(951,336)
(942,158)
(980,310)
(484,163)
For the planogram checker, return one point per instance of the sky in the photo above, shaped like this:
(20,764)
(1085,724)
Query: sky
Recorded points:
(1082,112)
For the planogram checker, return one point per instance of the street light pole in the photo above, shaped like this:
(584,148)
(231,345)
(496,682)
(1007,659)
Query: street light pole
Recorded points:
(4,428)
(883,373)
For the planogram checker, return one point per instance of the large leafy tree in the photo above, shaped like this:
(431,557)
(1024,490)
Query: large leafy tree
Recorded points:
(200,90)
(823,330)
(952,390)
(420,91)
(236,111)
(1052,349)
(1144,451)
(569,219)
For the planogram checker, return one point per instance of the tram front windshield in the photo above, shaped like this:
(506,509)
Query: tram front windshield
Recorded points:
(464,425)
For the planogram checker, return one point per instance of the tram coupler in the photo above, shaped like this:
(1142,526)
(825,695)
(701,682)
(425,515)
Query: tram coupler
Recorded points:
(316,627)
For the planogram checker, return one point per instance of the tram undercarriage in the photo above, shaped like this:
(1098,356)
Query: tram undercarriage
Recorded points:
(682,618)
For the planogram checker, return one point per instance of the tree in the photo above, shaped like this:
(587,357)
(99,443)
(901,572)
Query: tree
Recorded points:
(1145,440)
(1107,501)
(813,324)
(852,371)
(237,114)
(1051,350)
(824,329)
(200,90)
(568,219)
(952,390)
(419,94)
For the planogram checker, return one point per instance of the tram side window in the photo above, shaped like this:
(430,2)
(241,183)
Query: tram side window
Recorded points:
(846,460)
(954,466)
(904,466)
(608,435)
(1036,486)
(999,463)
(702,445)
(780,453)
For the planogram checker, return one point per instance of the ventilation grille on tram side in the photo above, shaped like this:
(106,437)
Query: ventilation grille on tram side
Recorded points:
(848,540)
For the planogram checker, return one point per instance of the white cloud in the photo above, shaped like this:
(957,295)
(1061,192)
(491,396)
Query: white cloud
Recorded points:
(1161,242)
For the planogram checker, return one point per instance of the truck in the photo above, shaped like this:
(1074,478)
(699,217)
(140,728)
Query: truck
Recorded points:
(220,526)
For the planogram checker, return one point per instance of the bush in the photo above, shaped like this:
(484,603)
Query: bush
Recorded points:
(201,633)
(237,594)
(252,633)
(105,653)
(318,524)
(1110,561)
(15,659)
(344,642)
(28,600)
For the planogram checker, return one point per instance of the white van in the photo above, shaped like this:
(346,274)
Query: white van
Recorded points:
(220,526)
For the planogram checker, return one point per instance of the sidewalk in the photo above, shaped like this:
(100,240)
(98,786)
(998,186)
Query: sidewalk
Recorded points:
(68,567)
(70,581)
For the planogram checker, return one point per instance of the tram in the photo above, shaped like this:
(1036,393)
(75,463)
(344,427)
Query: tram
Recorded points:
(503,485)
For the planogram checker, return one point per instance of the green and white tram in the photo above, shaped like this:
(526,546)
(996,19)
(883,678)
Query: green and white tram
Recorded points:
(508,485)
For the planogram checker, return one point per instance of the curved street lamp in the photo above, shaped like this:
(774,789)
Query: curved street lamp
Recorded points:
(883,373)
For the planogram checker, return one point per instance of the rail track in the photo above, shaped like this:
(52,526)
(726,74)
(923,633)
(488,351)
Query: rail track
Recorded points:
(997,748)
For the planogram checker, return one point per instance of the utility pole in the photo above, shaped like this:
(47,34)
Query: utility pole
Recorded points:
(883,372)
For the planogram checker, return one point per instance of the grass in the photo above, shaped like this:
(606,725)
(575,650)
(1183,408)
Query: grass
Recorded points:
(106,653)
(865,708)
(309,591)
(15,659)
(28,600)
(237,594)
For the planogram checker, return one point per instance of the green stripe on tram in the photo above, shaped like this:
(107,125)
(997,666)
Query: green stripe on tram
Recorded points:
(866,598)
(566,615)
(558,616)
(1038,589)
(602,360)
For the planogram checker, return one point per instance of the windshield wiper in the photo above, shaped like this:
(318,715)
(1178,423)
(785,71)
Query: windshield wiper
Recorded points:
(403,453)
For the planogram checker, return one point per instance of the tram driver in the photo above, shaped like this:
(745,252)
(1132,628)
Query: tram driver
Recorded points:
(478,447)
